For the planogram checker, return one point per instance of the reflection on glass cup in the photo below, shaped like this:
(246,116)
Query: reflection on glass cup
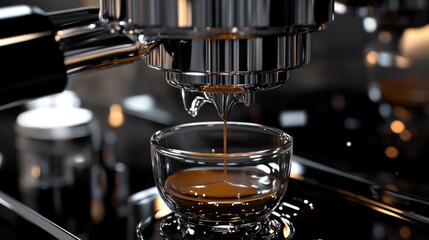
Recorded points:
(215,187)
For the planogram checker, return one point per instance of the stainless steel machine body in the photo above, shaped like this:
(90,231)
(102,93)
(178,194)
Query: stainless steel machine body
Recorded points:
(218,51)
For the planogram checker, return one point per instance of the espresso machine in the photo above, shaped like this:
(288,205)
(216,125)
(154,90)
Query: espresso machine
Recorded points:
(218,52)
(223,53)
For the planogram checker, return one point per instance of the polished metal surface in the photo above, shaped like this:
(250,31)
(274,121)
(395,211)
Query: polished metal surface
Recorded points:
(237,65)
(35,218)
(247,44)
(180,18)
(363,191)
(89,44)
(200,45)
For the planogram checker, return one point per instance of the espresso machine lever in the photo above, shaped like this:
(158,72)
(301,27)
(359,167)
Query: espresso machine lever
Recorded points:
(217,51)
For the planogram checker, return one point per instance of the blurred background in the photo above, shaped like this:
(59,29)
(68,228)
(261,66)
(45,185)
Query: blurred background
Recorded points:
(360,107)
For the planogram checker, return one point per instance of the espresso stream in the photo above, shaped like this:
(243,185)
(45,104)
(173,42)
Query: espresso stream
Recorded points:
(233,192)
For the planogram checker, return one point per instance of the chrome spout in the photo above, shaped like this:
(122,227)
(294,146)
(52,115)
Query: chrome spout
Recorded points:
(193,101)
(223,101)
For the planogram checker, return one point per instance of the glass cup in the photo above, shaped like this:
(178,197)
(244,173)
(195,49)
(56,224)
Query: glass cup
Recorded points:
(221,187)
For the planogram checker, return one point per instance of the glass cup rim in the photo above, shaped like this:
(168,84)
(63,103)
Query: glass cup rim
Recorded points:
(154,141)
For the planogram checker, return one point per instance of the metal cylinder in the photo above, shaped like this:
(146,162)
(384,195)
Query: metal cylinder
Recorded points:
(56,149)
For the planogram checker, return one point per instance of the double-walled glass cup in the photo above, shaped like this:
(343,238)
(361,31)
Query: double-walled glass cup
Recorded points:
(216,186)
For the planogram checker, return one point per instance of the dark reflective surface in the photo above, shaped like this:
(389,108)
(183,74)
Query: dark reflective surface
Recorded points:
(343,129)
(17,221)
(312,212)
